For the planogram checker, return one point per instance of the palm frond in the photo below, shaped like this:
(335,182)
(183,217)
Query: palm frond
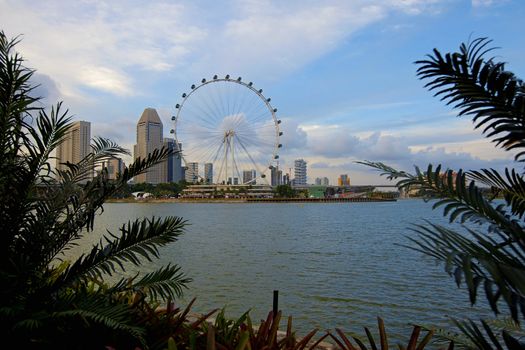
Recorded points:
(163,284)
(480,88)
(459,198)
(138,240)
(97,309)
(495,261)
(511,186)
(477,261)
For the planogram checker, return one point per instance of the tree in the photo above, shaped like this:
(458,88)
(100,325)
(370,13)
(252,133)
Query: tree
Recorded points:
(491,256)
(284,191)
(46,303)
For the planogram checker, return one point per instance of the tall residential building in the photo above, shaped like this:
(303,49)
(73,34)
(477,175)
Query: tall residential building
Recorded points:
(299,172)
(249,176)
(149,138)
(75,145)
(114,166)
(343,180)
(192,173)
(172,167)
(208,173)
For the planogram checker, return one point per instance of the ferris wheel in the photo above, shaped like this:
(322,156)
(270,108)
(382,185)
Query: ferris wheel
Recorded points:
(228,131)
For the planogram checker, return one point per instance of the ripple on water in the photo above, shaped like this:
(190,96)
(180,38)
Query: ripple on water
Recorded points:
(335,264)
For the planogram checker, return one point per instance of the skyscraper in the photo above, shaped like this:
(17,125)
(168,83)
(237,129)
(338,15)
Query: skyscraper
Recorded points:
(192,173)
(299,172)
(75,145)
(276,176)
(248,177)
(208,173)
(149,138)
(114,166)
(172,167)
(343,180)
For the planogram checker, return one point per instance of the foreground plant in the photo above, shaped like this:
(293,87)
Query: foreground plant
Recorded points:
(491,257)
(43,212)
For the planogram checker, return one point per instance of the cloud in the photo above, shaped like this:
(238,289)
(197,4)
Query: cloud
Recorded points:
(482,3)
(45,88)
(320,165)
(112,46)
(294,137)
(97,44)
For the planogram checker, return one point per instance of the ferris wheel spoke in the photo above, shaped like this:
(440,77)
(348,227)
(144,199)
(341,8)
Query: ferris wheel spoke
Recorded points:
(216,110)
(205,114)
(205,148)
(239,141)
(199,115)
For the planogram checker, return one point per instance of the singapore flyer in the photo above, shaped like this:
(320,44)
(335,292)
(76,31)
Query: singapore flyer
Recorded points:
(228,131)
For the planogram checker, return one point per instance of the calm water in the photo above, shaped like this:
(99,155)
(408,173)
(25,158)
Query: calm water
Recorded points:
(335,264)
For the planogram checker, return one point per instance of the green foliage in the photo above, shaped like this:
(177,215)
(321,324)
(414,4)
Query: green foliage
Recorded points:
(344,342)
(480,88)
(285,191)
(43,212)
(489,253)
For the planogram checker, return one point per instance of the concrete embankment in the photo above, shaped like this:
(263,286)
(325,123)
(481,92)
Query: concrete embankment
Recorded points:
(250,200)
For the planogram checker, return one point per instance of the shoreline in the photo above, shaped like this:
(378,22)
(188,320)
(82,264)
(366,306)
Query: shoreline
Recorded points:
(251,200)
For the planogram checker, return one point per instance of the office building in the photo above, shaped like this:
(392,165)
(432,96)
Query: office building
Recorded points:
(299,172)
(343,180)
(276,176)
(172,167)
(208,173)
(75,145)
(235,181)
(325,181)
(114,166)
(192,173)
(149,138)
(286,179)
(249,176)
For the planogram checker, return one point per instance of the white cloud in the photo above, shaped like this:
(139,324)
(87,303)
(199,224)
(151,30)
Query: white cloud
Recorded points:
(482,3)
(97,44)
(294,137)
(124,38)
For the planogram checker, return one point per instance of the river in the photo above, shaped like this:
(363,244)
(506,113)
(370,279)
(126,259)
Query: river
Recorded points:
(334,264)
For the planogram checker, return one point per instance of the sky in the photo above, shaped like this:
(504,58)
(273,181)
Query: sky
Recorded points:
(341,73)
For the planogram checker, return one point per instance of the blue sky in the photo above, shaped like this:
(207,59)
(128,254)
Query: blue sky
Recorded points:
(341,73)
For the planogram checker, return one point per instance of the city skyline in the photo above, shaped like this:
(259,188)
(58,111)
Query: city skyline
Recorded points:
(340,73)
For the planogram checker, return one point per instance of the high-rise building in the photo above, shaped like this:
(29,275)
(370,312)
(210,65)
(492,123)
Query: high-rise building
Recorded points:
(114,166)
(286,179)
(75,145)
(343,180)
(249,176)
(149,138)
(276,176)
(172,167)
(192,173)
(208,173)
(300,172)
(325,181)
(317,181)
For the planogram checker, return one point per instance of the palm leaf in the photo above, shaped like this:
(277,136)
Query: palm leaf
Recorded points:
(164,283)
(139,239)
(482,89)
